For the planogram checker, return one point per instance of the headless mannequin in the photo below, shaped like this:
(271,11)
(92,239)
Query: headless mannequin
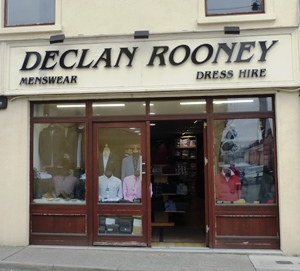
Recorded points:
(108,173)
(106,153)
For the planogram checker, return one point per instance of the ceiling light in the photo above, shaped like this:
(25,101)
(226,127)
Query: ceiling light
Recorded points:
(233,102)
(192,103)
(108,105)
(70,105)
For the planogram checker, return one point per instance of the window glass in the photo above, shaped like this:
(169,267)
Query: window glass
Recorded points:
(120,225)
(221,7)
(59,163)
(177,107)
(120,164)
(244,161)
(119,108)
(29,12)
(243,104)
(59,110)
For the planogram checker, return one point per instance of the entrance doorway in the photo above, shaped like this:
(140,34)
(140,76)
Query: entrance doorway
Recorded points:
(174,210)
(177,177)
(120,193)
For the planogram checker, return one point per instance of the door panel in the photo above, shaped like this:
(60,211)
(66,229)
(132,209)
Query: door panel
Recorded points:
(119,184)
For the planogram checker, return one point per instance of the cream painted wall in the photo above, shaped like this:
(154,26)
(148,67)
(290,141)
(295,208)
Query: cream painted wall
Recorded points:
(123,17)
(288,149)
(14,164)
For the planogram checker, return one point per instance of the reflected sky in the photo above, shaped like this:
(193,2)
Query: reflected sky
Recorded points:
(230,6)
(30,11)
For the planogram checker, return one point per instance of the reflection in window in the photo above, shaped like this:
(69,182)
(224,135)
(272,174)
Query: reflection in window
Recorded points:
(177,107)
(215,7)
(244,158)
(262,104)
(120,225)
(120,165)
(30,12)
(59,163)
(59,110)
(119,108)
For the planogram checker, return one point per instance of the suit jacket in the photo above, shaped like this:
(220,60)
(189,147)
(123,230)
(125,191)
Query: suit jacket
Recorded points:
(112,165)
(51,146)
(128,166)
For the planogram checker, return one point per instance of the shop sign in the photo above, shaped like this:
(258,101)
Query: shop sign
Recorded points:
(140,64)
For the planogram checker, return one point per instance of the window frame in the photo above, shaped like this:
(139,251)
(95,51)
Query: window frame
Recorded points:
(234,13)
(32,28)
(24,24)
(267,15)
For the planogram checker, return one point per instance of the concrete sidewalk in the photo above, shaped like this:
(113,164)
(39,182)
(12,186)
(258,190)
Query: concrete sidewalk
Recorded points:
(142,259)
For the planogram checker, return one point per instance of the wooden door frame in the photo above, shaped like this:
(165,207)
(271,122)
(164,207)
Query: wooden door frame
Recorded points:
(122,209)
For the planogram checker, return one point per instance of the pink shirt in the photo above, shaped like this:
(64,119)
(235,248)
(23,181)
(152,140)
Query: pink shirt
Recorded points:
(132,187)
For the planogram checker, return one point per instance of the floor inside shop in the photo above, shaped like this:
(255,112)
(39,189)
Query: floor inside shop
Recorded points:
(177,164)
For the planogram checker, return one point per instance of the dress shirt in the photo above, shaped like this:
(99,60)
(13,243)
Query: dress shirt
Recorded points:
(110,188)
(132,187)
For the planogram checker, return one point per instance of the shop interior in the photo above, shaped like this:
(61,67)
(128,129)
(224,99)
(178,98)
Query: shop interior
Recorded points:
(177,177)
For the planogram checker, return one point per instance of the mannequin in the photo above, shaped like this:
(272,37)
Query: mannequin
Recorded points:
(106,150)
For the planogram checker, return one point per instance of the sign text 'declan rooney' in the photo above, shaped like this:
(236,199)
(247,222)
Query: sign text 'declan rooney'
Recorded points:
(75,59)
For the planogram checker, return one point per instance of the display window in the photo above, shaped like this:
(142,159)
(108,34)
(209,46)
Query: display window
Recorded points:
(59,163)
(120,165)
(244,161)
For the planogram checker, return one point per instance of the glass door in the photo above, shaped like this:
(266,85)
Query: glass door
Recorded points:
(120,193)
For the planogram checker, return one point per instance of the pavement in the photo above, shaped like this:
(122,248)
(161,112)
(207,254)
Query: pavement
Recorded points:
(64,258)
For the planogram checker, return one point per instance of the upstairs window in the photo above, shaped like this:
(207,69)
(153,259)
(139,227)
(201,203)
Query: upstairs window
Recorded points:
(29,12)
(232,7)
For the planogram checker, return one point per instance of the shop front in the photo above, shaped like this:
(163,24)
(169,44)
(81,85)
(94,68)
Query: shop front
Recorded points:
(157,143)
(136,173)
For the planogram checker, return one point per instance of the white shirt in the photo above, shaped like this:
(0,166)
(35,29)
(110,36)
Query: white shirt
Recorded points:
(110,188)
